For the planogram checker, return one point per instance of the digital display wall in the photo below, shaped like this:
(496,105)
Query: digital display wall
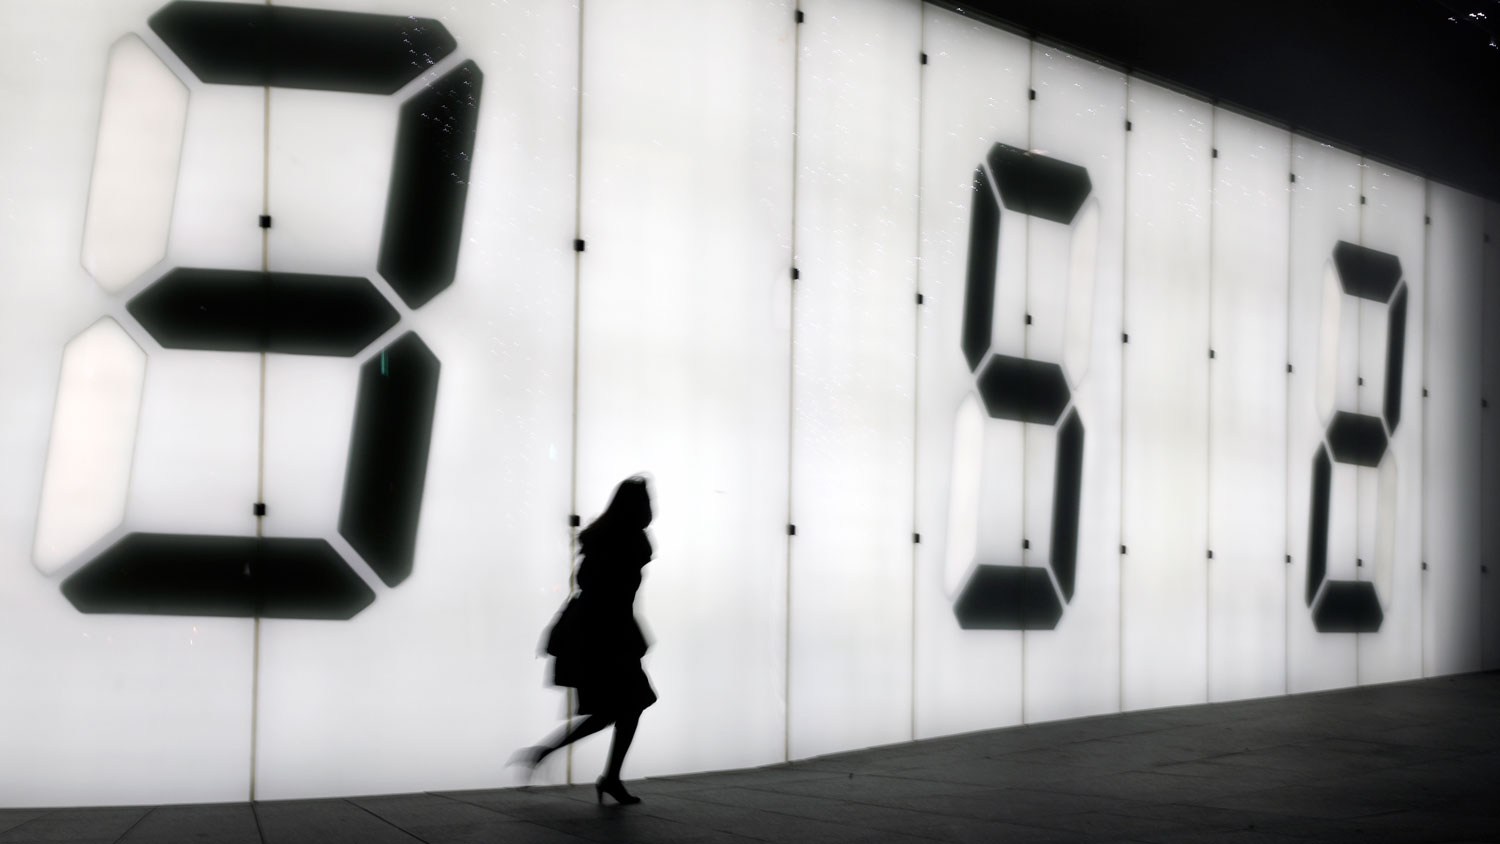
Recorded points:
(979,384)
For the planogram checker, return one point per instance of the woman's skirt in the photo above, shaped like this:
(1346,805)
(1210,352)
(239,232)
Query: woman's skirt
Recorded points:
(615,688)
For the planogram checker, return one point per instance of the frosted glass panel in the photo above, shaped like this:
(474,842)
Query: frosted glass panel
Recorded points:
(450,699)
(1490,500)
(977,385)
(855,329)
(1074,298)
(1451,522)
(683,356)
(214,221)
(974,95)
(108,708)
(1247,410)
(1325,211)
(1163,579)
(1391,342)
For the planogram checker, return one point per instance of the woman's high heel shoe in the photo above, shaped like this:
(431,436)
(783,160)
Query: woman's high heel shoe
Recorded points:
(616,789)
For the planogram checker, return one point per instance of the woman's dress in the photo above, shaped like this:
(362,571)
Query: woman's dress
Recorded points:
(605,666)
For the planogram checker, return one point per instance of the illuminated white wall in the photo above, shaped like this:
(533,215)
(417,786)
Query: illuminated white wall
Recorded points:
(738,252)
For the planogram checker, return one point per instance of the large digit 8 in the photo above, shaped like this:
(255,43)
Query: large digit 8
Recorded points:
(230,310)
(1011,391)
(1353,606)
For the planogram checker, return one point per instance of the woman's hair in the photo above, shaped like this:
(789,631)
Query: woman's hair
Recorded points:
(629,510)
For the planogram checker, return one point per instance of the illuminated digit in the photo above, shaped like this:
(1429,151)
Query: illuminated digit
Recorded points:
(287,313)
(1354,606)
(996,593)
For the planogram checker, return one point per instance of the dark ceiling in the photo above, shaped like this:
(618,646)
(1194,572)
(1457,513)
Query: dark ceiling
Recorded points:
(1412,82)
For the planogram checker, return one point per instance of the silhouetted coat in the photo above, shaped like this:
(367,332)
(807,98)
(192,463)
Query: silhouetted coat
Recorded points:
(601,654)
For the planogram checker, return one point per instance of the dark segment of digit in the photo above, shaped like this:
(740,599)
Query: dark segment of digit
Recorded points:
(387,466)
(1066,491)
(1317,523)
(247,311)
(1011,597)
(1352,606)
(1008,598)
(1366,273)
(1039,186)
(1356,439)
(226,576)
(424,212)
(1395,360)
(260,44)
(979,291)
(1348,606)
(1023,390)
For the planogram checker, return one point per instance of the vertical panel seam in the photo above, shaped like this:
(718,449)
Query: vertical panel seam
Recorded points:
(1359,399)
(791,396)
(260,450)
(1208,423)
(916,367)
(1426,355)
(1124,329)
(577,309)
(1032,47)
(1286,457)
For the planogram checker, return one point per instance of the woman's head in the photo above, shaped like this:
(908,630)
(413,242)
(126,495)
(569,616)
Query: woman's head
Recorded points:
(631,505)
(628,510)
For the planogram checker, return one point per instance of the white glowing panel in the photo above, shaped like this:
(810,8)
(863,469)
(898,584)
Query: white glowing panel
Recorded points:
(135,165)
(1390,497)
(1451,496)
(854,316)
(197,449)
(98,698)
(974,95)
(309,409)
(1247,410)
(329,170)
(222,187)
(93,438)
(1074,297)
(1490,494)
(1325,210)
(437,682)
(683,355)
(1163,580)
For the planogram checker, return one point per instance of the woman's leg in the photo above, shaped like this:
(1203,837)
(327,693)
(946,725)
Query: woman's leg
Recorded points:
(571,732)
(624,734)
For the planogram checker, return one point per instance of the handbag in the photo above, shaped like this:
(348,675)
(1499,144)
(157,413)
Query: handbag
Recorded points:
(562,638)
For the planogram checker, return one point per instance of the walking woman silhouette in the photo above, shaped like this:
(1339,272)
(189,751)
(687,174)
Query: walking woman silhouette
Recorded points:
(596,641)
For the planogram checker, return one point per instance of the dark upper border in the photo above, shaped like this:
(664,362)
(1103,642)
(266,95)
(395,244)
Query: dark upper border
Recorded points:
(1238,42)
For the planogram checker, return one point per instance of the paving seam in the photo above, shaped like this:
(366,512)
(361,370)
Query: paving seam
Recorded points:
(829,800)
(137,823)
(492,809)
(351,802)
(618,809)
(255,816)
(42,813)
(905,809)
